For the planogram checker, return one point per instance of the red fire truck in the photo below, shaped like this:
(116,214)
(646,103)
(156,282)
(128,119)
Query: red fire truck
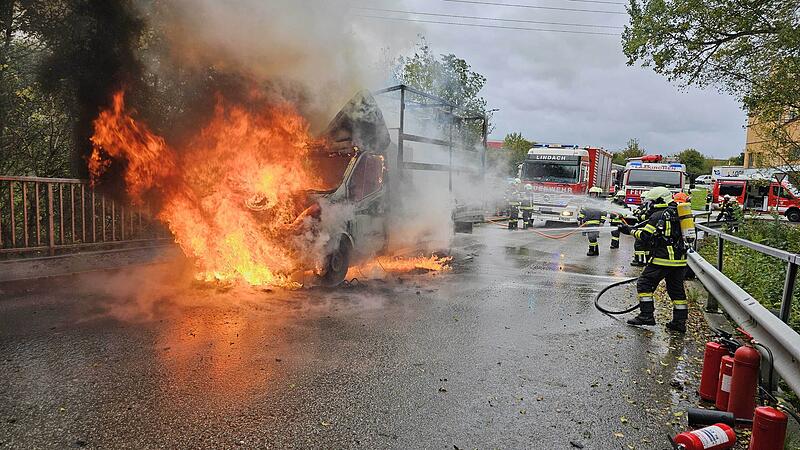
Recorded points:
(647,172)
(556,174)
(758,192)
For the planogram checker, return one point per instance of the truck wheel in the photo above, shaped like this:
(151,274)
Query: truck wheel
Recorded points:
(793,215)
(337,264)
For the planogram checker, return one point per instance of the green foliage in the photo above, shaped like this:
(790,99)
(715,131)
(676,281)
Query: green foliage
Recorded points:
(632,150)
(35,126)
(748,49)
(517,147)
(736,160)
(447,76)
(760,275)
(696,163)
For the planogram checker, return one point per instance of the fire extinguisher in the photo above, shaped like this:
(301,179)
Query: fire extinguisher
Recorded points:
(709,380)
(769,429)
(722,344)
(714,437)
(744,382)
(724,384)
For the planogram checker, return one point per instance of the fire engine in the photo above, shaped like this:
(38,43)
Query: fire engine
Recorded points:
(759,192)
(557,174)
(642,174)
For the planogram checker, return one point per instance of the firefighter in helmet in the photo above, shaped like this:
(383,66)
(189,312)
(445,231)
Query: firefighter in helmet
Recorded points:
(668,262)
(641,252)
(592,216)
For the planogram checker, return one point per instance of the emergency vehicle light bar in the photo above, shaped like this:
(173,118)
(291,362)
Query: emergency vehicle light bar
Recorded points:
(555,146)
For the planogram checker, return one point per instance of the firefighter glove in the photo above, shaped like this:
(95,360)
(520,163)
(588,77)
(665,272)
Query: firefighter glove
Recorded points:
(624,229)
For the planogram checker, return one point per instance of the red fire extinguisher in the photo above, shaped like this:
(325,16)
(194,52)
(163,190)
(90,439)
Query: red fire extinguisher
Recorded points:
(769,429)
(744,382)
(709,380)
(724,384)
(715,437)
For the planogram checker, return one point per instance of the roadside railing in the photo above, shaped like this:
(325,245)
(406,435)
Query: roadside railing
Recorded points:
(767,328)
(48,215)
(791,259)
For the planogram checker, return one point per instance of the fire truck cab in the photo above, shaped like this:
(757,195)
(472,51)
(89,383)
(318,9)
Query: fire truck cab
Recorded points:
(559,174)
(642,174)
(758,192)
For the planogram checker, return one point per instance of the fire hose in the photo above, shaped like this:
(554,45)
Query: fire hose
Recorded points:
(606,289)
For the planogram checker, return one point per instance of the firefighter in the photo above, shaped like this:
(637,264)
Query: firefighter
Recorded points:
(526,207)
(592,217)
(619,198)
(513,205)
(640,251)
(728,210)
(615,219)
(668,250)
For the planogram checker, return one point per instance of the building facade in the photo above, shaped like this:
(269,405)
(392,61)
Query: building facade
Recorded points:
(760,152)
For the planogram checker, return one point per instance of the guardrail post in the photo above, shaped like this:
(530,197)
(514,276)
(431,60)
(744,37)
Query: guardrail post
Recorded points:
(51,235)
(720,252)
(788,292)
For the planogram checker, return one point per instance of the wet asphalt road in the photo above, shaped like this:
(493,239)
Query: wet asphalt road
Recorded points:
(504,351)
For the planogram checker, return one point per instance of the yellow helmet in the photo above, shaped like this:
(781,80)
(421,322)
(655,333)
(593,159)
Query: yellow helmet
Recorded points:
(658,193)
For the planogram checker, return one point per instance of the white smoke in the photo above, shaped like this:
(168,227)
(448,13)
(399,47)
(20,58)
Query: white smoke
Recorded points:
(317,49)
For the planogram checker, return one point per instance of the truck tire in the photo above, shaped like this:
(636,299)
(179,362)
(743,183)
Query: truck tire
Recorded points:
(793,215)
(337,264)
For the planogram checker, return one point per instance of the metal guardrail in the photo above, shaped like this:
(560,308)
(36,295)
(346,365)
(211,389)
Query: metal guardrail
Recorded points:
(792,261)
(754,318)
(45,215)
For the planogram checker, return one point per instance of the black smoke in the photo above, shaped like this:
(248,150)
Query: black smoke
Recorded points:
(93,47)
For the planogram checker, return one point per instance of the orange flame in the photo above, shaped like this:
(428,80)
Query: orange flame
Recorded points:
(384,265)
(234,195)
(227,194)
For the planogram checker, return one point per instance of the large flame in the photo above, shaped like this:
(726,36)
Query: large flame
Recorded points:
(234,195)
(228,193)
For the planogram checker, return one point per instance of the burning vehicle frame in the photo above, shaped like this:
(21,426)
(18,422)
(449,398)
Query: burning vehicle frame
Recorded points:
(252,195)
(359,135)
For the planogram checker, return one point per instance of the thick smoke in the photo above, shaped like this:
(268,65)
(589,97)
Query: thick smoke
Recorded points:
(314,52)
(93,53)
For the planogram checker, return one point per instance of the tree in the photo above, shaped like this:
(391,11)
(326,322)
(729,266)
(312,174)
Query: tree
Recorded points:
(696,163)
(748,49)
(517,147)
(448,77)
(736,160)
(632,150)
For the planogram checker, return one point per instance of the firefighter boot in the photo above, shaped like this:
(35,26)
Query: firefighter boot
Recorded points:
(593,251)
(614,243)
(678,322)
(646,310)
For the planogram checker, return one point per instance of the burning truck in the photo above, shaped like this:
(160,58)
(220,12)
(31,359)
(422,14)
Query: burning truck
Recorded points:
(253,196)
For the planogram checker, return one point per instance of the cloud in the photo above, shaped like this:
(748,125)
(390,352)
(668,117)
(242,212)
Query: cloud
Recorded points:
(568,88)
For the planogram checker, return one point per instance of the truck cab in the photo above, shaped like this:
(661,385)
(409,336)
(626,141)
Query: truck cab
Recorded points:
(642,175)
(558,175)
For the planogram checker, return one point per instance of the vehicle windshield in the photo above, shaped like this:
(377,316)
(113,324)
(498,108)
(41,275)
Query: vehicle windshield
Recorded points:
(551,172)
(330,169)
(652,178)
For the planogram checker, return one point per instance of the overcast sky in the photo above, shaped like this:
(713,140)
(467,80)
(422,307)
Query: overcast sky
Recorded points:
(571,88)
